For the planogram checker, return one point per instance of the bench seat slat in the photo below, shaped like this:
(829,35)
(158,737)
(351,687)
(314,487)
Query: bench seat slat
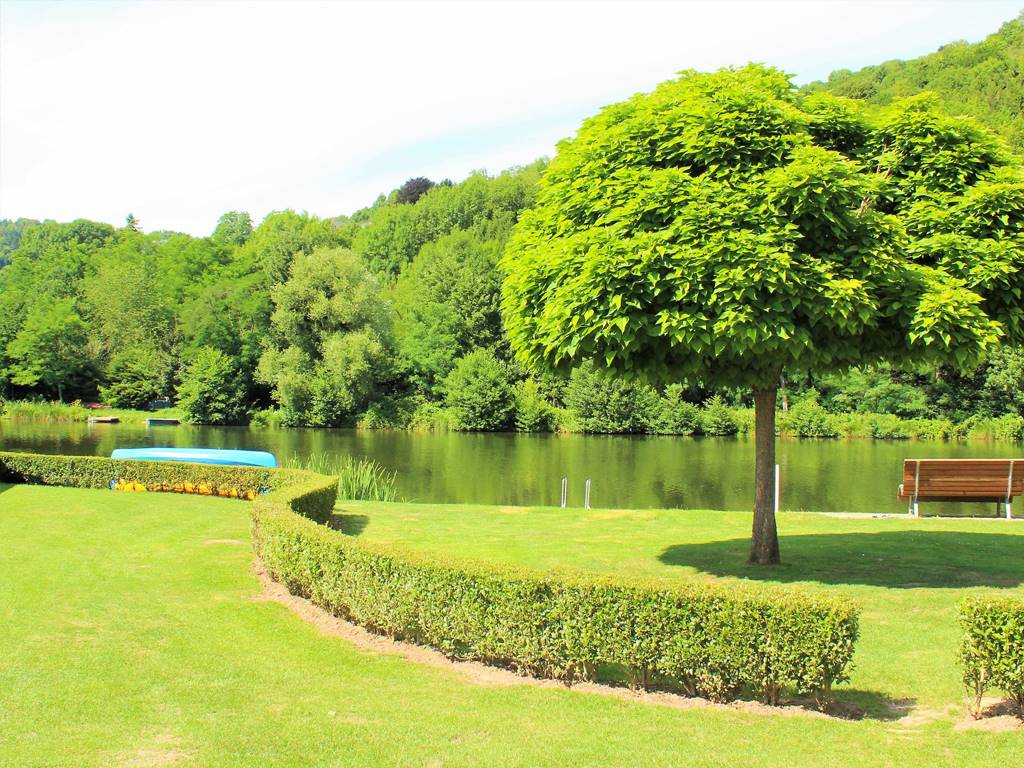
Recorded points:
(962,479)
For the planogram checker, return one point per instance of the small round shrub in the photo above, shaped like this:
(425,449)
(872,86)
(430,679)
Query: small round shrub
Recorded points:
(601,402)
(808,418)
(479,393)
(673,415)
(717,419)
(886,426)
(135,378)
(533,411)
(211,390)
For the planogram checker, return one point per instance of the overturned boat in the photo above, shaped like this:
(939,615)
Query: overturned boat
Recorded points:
(234,458)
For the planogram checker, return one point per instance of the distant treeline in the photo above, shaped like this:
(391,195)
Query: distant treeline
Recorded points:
(985,80)
(387,319)
(390,317)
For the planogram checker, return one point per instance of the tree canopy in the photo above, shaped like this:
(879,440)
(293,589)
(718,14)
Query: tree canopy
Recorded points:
(331,339)
(723,228)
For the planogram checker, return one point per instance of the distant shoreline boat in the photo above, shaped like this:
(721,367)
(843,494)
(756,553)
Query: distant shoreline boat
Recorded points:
(162,422)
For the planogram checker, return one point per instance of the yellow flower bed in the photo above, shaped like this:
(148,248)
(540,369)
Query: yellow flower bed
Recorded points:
(203,489)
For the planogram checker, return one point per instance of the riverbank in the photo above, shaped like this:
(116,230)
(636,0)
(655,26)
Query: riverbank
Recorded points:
(714,419)
(33,411)
(527,469)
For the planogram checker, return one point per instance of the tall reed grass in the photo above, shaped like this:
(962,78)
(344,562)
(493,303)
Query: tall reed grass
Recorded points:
(38,410)
(358,479)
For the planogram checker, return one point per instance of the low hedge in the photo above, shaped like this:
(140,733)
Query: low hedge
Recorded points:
(708,640)
(307,493)
(992,648)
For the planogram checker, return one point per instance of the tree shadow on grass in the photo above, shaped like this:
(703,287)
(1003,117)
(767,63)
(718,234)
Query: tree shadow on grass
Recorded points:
(858,704)
(349,524)
(896,559)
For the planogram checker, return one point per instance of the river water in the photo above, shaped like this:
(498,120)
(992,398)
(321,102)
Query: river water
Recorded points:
(518,469)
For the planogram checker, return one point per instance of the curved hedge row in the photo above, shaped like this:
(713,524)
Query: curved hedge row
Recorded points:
(712,641)
(307,493)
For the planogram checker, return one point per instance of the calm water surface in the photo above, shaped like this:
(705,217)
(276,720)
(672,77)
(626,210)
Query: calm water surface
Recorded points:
(706,473)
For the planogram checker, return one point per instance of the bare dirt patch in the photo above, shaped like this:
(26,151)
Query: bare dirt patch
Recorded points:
(223,541)
(997,715)
(163,749)
(484,674)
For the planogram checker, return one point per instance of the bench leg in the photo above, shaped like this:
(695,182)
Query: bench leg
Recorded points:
(917,509)
(1009,511)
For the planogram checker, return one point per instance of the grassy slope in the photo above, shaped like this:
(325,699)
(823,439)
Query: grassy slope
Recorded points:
(127,639)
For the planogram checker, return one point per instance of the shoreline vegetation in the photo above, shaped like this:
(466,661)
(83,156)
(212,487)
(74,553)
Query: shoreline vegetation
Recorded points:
(806,419)
(44,412)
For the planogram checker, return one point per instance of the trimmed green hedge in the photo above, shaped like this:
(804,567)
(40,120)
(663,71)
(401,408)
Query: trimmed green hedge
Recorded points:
(712,641)
(307,493)
(992,647)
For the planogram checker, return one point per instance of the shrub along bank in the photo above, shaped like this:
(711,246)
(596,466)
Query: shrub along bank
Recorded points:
(623,411)
(712,641)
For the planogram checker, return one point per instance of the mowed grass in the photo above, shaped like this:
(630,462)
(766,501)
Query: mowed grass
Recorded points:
(907,574)
(130,635)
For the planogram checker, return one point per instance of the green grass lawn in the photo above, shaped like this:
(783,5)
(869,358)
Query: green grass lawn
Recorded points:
(129,635)
(907,574)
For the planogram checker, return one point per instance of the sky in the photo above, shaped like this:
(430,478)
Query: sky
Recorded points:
(182,110)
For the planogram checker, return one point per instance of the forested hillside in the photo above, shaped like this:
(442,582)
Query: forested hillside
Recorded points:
(985,80)
(390,317)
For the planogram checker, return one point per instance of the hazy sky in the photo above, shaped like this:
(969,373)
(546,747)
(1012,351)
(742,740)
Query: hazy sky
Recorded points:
(179,111)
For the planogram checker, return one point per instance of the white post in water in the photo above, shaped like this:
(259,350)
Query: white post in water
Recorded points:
(776,489)
(565,490)
(586,496)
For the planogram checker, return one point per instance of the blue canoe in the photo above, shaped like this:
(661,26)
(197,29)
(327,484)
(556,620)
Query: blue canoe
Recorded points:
(198,456)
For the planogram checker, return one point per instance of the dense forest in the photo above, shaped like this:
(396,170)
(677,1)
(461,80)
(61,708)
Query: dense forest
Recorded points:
(984,80)
(389,318)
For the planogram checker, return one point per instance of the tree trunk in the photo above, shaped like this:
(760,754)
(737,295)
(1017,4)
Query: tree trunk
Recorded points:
(60,392)
(764,545)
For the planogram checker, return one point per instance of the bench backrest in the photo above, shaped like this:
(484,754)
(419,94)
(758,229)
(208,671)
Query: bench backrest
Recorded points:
(988,478)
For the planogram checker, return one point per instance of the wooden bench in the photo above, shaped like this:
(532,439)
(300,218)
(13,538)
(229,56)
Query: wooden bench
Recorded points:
(993,480)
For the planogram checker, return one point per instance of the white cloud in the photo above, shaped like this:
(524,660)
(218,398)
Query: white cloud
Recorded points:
(179,111)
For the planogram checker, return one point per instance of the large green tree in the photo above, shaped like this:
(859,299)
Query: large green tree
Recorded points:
(330,339)
(130,315)
(722,228)
(233,228)
(446,303)
(49,350)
